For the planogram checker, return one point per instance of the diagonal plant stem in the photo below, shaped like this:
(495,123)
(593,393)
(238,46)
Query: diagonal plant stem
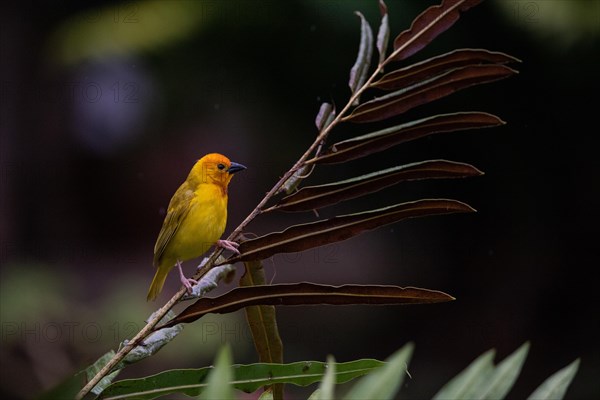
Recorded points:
(157,316)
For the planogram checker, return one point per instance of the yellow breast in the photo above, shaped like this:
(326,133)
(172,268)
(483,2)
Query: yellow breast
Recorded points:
(203,225)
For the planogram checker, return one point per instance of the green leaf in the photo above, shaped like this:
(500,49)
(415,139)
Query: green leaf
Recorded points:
(504,376)
(315,395)
(219,379)
(263,323)
(555,387)
(247,378)
(428,25)
(327,386)
(266,395)
(306,236)
(383,139)
(463,385)
(360,69)
(426,69)
(383,34)
(92,370)
(307,294)
(314,197)
(400,101)
(385,382)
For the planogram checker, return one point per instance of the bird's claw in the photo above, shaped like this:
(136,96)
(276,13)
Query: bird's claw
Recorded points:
(229,245)
(189,283)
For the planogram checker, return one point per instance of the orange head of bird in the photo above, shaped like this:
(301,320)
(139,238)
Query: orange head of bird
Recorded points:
(215,168)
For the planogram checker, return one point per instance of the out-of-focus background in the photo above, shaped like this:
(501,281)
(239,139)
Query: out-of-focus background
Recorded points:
(105,106)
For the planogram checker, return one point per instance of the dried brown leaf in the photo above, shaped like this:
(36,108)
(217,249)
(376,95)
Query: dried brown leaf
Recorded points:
(306,236)
(307,294)
(360,69)
(380,140)
(443,85)
(428,25)
(383,34)
(423,70)
(315,197)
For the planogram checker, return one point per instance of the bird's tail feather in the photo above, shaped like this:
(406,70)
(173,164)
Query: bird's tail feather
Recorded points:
(157,283)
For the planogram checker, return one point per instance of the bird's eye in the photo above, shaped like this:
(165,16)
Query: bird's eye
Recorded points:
(221,166)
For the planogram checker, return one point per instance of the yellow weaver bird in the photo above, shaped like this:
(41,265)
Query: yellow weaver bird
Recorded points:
(195,219)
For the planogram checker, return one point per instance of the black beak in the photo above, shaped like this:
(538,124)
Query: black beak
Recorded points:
(235,167)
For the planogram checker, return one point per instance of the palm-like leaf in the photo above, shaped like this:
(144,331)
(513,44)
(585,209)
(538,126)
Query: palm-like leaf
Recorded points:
(408,87)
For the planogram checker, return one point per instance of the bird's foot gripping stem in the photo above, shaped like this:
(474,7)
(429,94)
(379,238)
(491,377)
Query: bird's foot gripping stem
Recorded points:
(187,282)
(229,245)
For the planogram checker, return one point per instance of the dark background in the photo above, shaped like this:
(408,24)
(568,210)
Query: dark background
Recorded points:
(107,105)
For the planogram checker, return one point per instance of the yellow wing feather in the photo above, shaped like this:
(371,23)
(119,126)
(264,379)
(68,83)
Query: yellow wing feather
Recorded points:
(179,207)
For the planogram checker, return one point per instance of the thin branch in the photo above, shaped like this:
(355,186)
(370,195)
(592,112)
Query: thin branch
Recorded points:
(146,330)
